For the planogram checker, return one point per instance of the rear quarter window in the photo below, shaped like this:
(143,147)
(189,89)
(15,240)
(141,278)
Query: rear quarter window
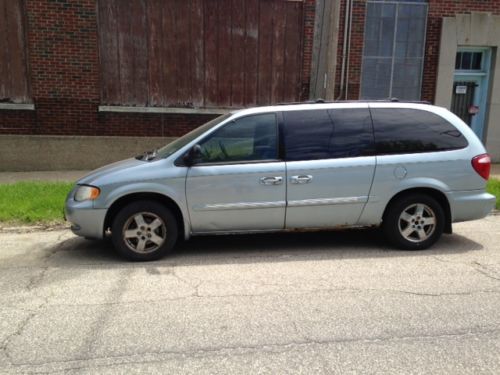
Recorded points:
(404,130)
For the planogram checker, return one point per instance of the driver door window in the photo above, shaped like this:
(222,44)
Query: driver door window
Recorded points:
(251,138)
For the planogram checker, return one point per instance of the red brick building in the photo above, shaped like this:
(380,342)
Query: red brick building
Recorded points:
(160,68)
(74,58)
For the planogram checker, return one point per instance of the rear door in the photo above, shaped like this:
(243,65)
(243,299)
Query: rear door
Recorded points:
(239,184)
(330,165)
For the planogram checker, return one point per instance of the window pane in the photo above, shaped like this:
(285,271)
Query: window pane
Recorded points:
(401,130)
(325,134)
(246,139)
(476,60)
(352,134)
(386,39)
(307,134)
(403,64)
(406,79)
(458,60)
(466,60)
(376,78)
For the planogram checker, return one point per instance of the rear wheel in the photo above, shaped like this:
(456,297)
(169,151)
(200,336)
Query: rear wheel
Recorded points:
(144,230)
(414,222)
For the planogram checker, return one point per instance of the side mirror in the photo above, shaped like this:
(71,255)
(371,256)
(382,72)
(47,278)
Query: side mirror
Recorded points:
(193,156)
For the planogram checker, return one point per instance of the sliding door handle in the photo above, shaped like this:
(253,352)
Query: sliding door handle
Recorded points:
(275,180)
(302,179)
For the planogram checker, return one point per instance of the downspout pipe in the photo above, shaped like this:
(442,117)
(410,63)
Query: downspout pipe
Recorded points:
(348,52)
(348,7)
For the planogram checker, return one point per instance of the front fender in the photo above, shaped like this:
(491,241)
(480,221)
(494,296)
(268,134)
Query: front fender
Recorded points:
(174,190)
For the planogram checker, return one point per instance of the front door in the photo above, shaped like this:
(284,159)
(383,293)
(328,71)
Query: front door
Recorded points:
(470,87)
(239,183)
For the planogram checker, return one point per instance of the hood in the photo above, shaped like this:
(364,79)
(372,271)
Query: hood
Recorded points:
(112,170)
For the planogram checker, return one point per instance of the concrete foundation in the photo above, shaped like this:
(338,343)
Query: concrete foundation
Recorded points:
(52,153)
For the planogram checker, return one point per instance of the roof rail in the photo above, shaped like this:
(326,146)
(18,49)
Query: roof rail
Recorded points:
(390,100)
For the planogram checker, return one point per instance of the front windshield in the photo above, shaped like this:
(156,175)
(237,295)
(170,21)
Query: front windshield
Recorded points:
(179,143)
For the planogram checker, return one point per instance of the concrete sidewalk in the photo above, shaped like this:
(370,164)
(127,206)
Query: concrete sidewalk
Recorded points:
(10,177)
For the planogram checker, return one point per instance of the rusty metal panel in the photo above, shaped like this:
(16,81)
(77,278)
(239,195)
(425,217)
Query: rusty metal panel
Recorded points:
(202,53)
(197,75)
(109,61)
(13,66)
(251,52)
(155,40)
(293,51)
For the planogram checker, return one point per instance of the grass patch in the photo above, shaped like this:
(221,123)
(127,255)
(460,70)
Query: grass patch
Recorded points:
(493,187)
(31,202)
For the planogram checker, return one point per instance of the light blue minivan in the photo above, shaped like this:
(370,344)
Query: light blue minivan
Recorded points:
(412,169)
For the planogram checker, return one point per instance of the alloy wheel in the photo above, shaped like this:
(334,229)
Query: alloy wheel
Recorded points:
(144,232)
(417,222)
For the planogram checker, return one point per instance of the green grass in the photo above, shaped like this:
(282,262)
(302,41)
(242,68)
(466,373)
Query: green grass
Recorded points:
(36,202)
(30,202)
(493,187)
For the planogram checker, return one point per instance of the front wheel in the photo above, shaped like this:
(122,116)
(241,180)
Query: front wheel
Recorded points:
(144,230)
(414,222)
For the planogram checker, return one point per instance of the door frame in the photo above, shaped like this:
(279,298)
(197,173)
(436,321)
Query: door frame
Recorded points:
(481,94)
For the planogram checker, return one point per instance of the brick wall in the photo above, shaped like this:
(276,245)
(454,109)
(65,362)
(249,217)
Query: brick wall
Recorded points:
(437,10)
(62,49)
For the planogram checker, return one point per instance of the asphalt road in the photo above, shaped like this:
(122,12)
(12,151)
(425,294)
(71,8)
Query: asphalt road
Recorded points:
(307,303)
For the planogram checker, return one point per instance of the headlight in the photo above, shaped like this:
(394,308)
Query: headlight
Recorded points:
(84,193)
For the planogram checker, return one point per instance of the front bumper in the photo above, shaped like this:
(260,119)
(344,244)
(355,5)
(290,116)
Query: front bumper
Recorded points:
(86,221)
(470,205)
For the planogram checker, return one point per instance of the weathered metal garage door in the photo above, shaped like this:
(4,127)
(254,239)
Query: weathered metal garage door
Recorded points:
(13,72)
(206,53)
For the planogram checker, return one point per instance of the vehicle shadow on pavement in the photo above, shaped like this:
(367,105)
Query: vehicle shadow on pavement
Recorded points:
(255,248)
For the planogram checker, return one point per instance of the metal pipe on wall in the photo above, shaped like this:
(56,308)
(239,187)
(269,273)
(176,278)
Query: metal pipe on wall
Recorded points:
(347,24)
(348,51)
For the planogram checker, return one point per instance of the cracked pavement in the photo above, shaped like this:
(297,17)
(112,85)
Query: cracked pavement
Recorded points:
(331,302)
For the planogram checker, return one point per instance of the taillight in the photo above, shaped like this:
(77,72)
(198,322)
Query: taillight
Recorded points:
(482,165)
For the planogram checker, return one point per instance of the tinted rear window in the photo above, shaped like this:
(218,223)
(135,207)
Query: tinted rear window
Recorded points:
(404,130)
(352,132)
(307,134)
(327,134)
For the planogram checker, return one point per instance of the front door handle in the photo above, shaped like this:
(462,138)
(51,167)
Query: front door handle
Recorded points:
(275,180)
(302,179)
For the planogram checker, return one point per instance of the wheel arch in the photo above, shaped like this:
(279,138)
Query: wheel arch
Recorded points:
(438,195)
(121,202)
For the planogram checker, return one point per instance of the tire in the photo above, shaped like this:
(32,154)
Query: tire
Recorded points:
(144,231)
(413,222)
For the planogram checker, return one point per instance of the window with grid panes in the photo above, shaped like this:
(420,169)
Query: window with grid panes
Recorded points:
(394,46)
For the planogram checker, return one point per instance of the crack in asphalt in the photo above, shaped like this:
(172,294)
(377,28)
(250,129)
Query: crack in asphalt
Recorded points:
(33,283)
(196,294)
(100,323)
(477,266)
(138,358)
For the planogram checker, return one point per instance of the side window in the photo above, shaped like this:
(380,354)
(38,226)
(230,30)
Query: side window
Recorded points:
(307,134)
(328,134)
(352,133)
(249,138)
(404,130)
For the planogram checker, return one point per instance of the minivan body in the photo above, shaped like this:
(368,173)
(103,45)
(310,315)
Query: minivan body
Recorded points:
(411,168)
